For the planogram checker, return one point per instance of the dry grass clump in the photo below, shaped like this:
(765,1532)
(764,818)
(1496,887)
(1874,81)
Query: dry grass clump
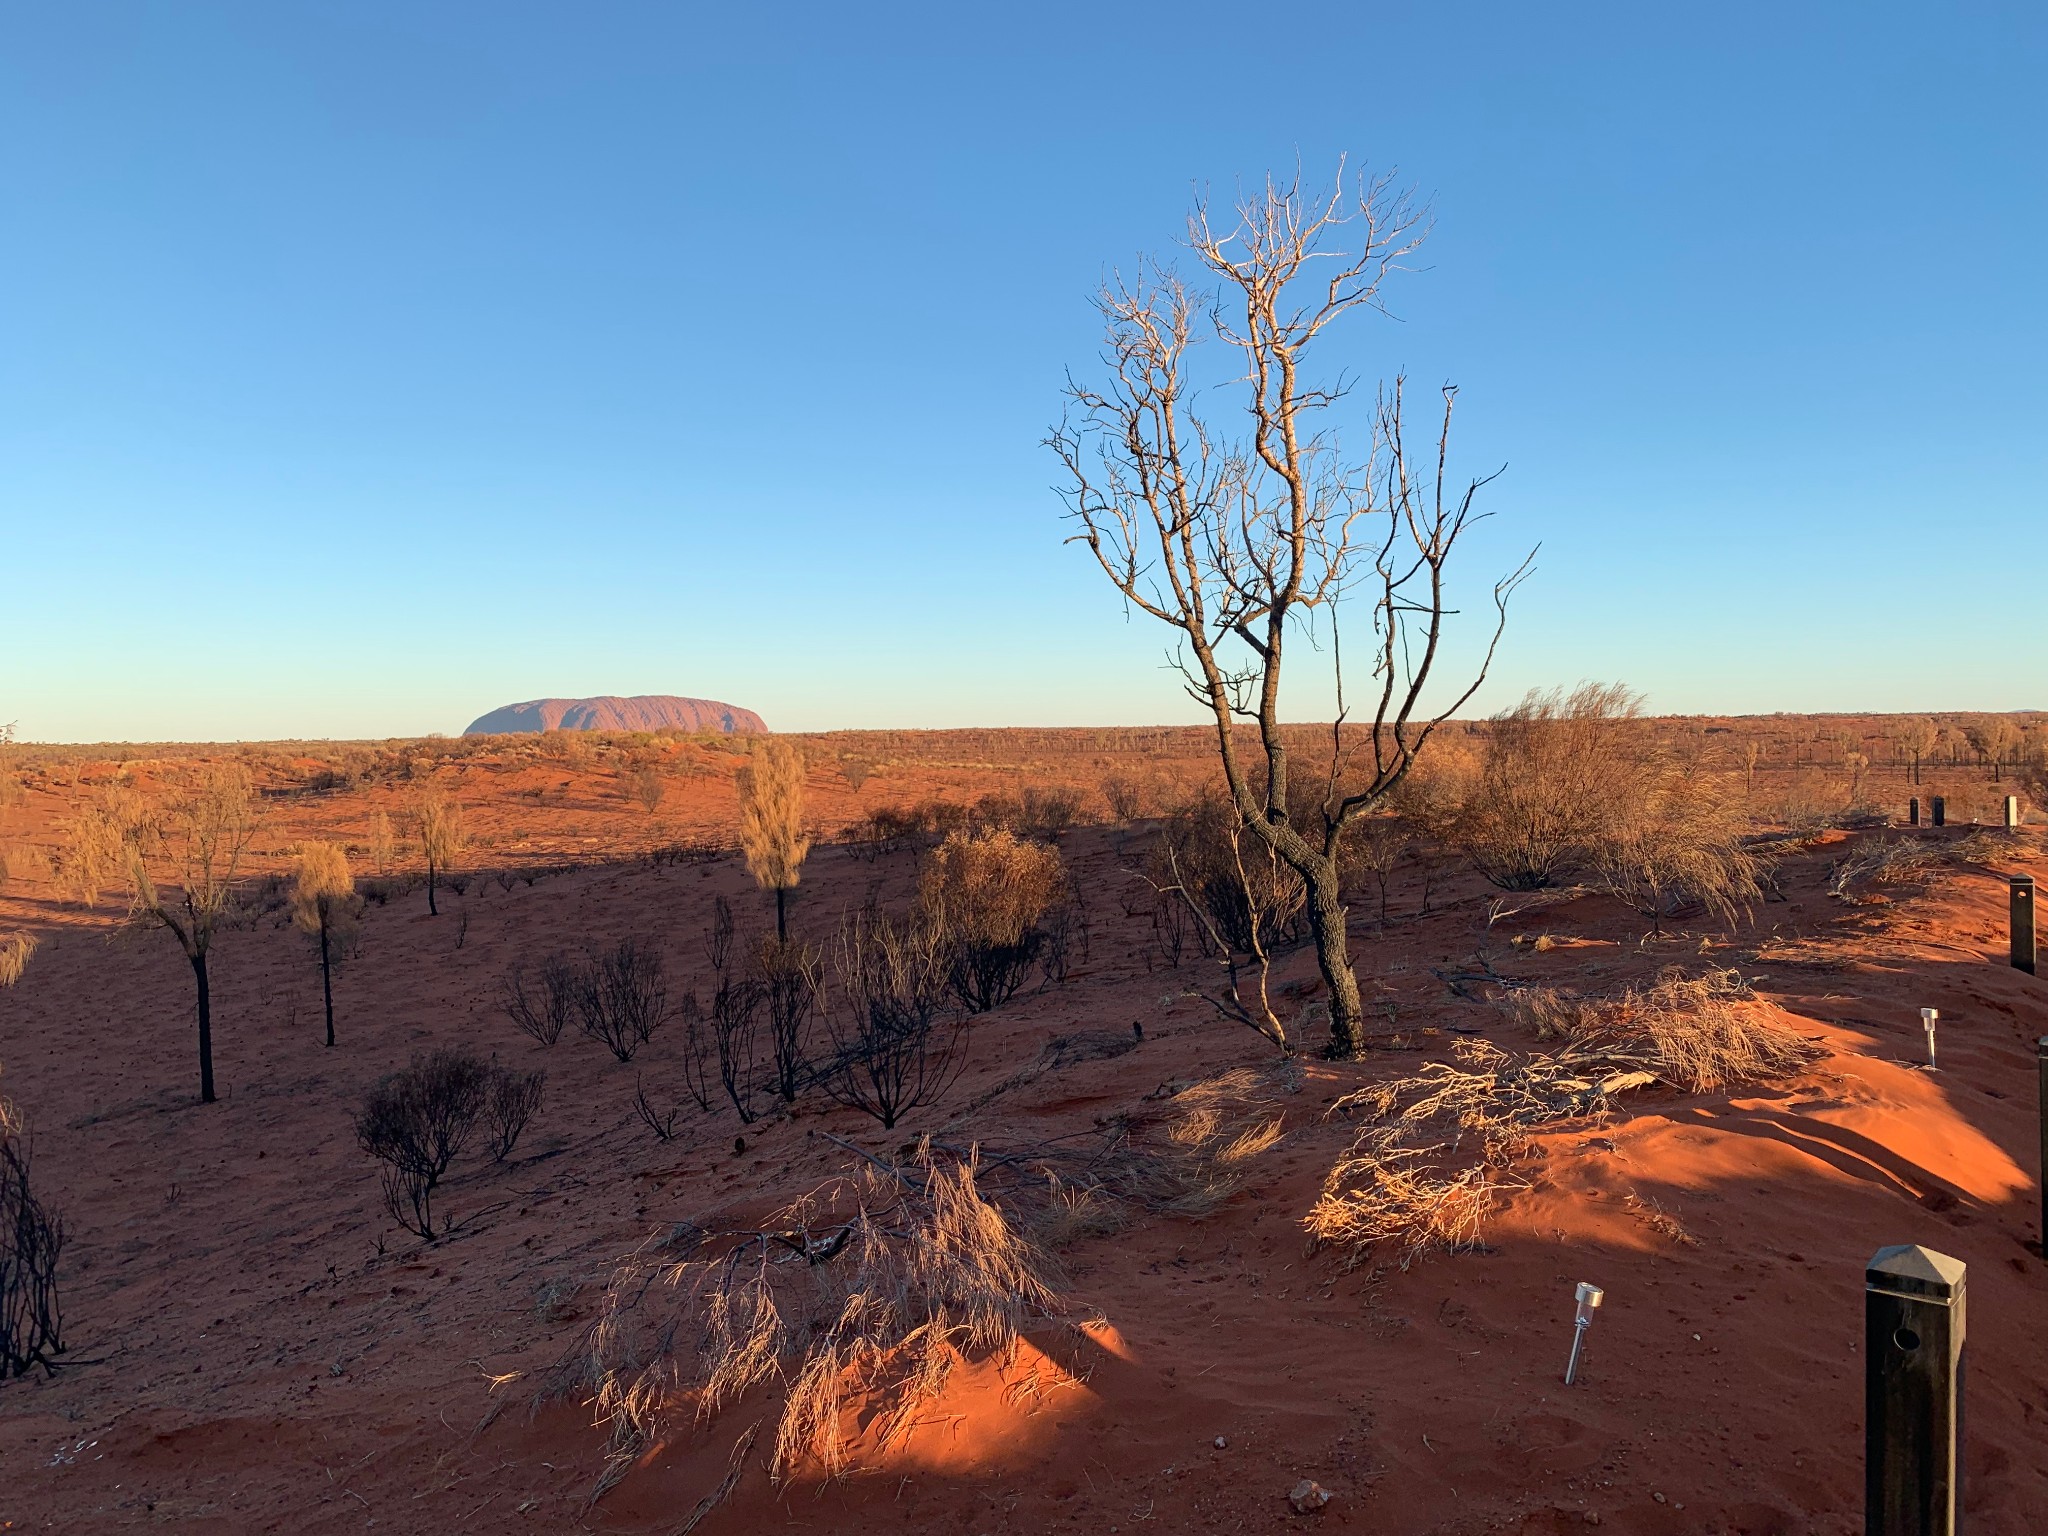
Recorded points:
(1708,1032)
(1384,1190)
(1553,1013)
(15,952)
(1697,1033)
(1221,1125)
(1984,848)
(1425,1169)
(1880,861)
(866,1292)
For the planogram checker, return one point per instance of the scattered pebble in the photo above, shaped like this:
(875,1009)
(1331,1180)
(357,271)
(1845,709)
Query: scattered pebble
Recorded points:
(1221,1444)
(1308,1497)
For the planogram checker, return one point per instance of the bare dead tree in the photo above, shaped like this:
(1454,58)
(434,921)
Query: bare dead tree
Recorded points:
(1237,543)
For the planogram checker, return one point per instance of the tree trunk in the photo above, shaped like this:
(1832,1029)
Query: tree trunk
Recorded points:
(1333,956)
(432,910)
(781,915)
(326,979)
(205,1029)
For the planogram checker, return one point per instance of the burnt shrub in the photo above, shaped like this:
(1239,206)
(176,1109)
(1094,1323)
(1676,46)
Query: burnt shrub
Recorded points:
(414,1122)
(510,1100)
(894,1047)
(543,1008)
(31,1240)
(622,996)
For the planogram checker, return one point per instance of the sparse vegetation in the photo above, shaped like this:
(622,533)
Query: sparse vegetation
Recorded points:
(201,834)
(1426,1166)
(894,1046)
(735,1016)
(31,1243)
(510,1100)
(414,1122)
(622,996)
(984,896)
(790,973)
(324,904)
(16,950)
(647,785)
(438,822)
(543,1010)
(772,835)
(896,1278)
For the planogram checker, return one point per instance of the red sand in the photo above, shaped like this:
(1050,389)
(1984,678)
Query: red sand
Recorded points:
(257,1348)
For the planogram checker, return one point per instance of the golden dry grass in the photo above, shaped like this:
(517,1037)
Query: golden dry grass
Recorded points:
(1425,1168)
(866,1293)
(16,950)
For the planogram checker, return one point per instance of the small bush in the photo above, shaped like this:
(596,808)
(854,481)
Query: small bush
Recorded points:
(543,1011)
(1254,904)
(621,997)
(510,1100)
(735,1016)
(789,976)
(31,1242)
(1125,799)
(1556,769)
(985,895)
(892,1049)
(415,1122)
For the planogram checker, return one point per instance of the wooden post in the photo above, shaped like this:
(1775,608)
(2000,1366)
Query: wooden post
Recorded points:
(1913,812)
(1913,1332)
(2021,922)
(2042,1049)
(2012,812)
(1939,808)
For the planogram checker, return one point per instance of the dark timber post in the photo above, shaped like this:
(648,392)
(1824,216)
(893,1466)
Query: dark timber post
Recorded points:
(1913,1330)
(2042,1048)
(1913,812)
(2021,923)
(1939,809)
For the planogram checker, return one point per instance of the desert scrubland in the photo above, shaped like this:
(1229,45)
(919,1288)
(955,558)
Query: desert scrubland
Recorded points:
(1014,1188)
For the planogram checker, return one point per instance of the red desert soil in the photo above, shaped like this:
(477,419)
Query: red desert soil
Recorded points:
(255,1347)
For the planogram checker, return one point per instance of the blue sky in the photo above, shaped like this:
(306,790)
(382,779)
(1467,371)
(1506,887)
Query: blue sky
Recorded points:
(366,366)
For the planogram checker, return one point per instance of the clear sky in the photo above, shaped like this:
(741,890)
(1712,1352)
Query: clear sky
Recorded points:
(364,366)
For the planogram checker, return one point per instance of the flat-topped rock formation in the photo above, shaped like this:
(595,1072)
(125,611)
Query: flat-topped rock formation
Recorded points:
(646,712)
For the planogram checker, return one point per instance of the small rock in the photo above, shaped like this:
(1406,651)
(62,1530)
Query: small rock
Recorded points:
(1221,1443)
(1308,1497)
(1592,1517)
(1658,1497)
